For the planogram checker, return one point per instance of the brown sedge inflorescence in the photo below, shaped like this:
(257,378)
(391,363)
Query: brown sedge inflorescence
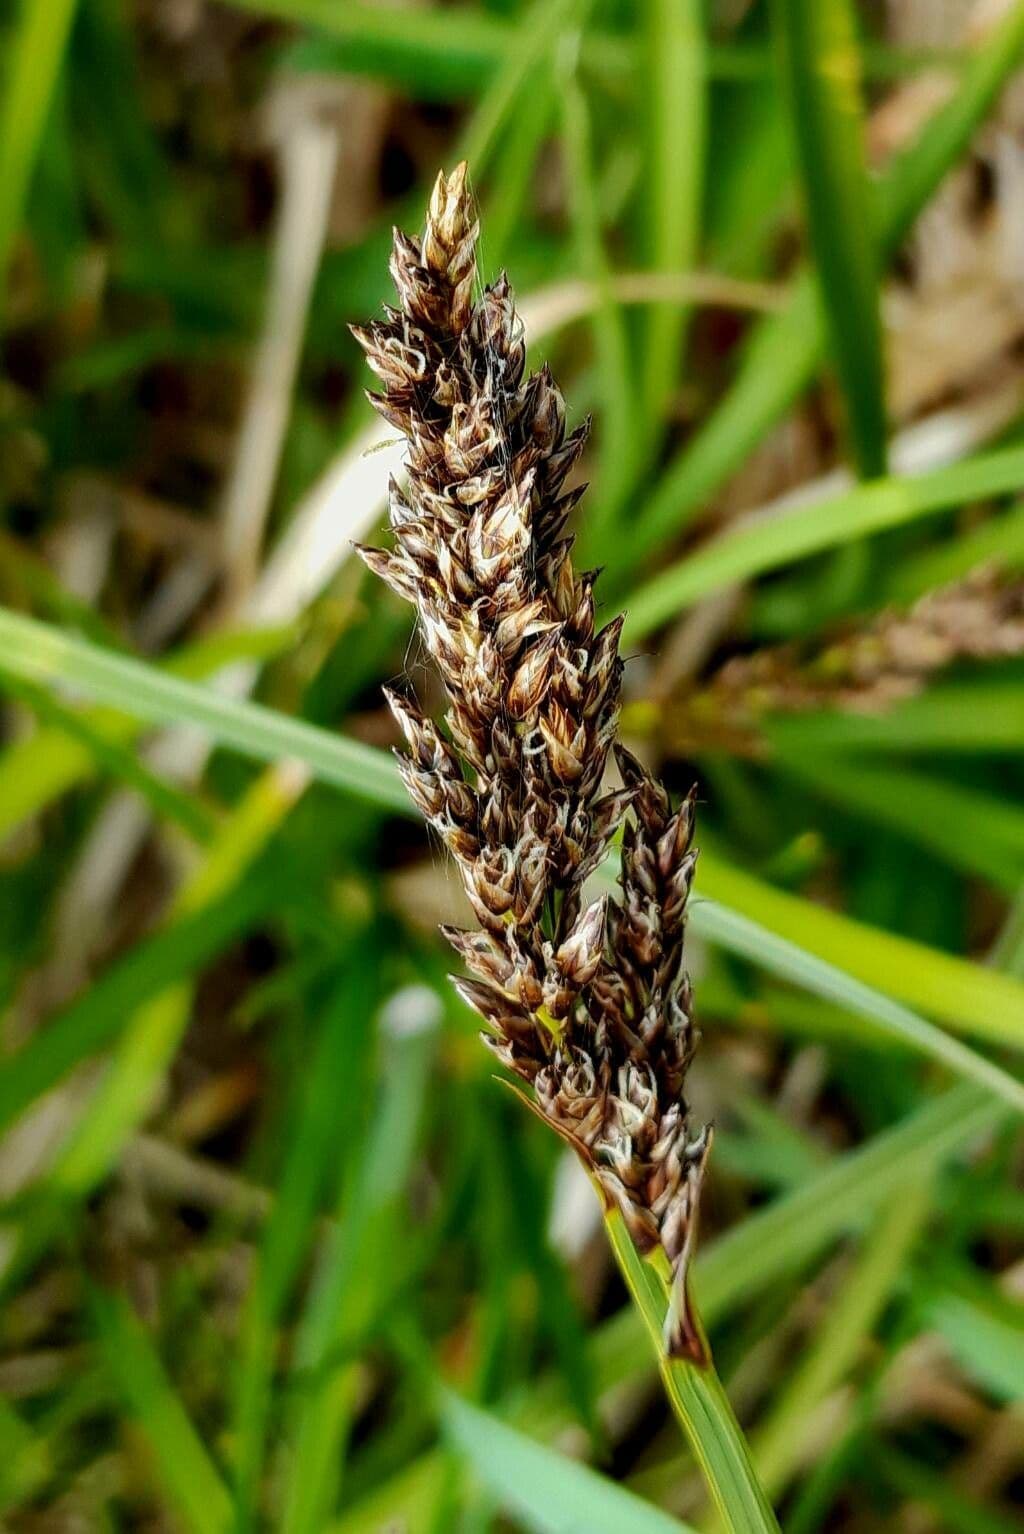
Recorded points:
(585,1000)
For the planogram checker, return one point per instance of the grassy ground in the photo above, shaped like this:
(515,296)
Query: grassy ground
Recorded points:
(276,1250)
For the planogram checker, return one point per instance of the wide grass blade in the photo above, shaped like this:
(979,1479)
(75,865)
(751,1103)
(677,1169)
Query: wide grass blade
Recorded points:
(959,718)
(921,808)
(976,1000)
(546,1491)
(43,654)
(984,1331)
(753,548)
(821,78)
(37,769)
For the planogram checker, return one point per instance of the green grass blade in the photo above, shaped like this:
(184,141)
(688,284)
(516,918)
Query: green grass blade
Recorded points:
(618,443)
(533,39)
(985,1333)
(335,1069)
(343,1304)
(41,654)
(698,1400)
(33,69)
(784,1236)
(93,1021)
(821,79)
(785,349)
(111,756)
(183,1465)
(754,548)
(840,1339)
(545,1491)
(774,1243)
(150,1038)
(38,769)
(958,718)
(674,74)
(989,836)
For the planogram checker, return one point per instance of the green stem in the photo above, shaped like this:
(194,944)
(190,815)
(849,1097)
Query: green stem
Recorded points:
(698,1400)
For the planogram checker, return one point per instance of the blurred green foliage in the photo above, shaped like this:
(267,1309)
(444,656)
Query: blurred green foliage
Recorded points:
(275,1248)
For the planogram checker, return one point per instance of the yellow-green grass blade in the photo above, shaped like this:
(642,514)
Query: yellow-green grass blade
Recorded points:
(41,654)
(33,69)
(785,350)
(183,1465)
(37,769)
(976,1000)
(115,758)
(531,43)
(697,1399)
(752,549)
(771,928)
(821,76)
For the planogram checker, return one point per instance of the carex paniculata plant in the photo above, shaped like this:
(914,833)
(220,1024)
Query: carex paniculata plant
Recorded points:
(585,999)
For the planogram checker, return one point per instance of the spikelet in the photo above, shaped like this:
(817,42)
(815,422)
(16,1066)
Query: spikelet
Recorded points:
(586,1002)
(863,670)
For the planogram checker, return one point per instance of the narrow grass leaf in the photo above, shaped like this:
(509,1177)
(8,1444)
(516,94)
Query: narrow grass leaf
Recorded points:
(183,1466)
(33,69)
(698,1400)
(343,1302)
(839,1341)
(753,548)
(821,79)
(985,1333)
(336,1068)
(675,85)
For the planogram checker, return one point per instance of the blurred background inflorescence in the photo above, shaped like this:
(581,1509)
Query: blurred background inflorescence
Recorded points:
(260,1193)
